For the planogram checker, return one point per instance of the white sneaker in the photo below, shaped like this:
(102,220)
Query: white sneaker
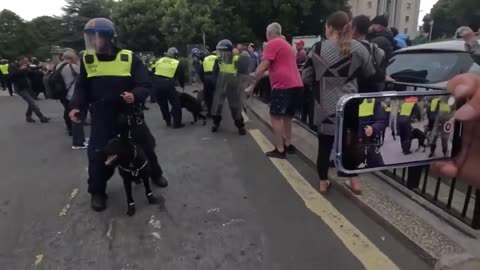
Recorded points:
(85,146)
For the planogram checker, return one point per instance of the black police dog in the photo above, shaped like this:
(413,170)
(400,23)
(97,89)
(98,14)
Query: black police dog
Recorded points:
(194,106)
(420,136)
(132,166)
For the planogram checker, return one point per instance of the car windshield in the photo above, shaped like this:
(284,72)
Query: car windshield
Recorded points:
(428,67)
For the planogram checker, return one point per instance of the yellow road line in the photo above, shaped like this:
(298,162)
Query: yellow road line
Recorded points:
(38,260)
(65,209)
(358,244)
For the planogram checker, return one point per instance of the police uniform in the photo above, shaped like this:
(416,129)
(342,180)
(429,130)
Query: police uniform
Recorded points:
(371,113)
(208,80)
(103,78)
(441,115)
(166,70)
(409,110)
(388,112)
(4,76)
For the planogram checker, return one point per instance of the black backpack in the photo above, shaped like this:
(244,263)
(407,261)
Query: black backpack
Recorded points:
(56,83)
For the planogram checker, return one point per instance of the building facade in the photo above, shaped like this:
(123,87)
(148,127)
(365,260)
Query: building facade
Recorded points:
(402,14)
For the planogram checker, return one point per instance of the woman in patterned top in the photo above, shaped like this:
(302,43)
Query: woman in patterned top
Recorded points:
(332,69)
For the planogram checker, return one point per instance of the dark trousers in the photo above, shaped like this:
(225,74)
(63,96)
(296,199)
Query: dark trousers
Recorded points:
(405,133)
(6,84)
(325,144)
(209,90)
(166,93)
(32,105)
(66,111)
(77,130)
(99,173)
(308,104)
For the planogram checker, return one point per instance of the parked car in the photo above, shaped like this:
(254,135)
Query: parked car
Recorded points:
(431,64)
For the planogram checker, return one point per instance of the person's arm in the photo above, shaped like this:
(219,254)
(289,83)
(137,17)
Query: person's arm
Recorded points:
(141,81)
(79,98)
(417,113)
(380,117)
(180,75)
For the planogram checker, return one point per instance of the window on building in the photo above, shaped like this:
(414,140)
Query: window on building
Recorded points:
(407,18)
(369,4)
(409,5)
(405,31)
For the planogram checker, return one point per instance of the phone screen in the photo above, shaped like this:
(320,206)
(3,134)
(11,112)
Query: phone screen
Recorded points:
(393,131)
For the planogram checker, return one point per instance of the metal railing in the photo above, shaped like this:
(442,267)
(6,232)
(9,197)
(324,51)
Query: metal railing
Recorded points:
(452,196)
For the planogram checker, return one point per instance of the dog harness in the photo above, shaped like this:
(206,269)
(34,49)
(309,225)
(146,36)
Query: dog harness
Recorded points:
(134,172)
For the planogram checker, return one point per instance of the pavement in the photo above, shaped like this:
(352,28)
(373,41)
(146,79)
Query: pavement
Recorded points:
(392,150)
(227,206)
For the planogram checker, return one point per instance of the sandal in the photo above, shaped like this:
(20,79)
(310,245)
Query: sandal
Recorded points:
(324,191)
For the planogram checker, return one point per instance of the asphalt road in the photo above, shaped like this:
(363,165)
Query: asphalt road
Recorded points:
(227,206)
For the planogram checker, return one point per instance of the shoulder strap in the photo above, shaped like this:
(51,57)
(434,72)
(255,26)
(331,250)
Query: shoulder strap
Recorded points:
(60,68)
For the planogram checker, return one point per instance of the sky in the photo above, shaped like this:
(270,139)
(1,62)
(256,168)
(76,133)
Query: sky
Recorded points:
(29,9)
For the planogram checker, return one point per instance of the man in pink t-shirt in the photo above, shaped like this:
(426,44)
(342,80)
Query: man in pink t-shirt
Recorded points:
(280,62)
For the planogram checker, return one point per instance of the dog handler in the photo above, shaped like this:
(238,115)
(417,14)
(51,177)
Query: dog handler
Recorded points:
(166,70)
(109,78)
(371,118)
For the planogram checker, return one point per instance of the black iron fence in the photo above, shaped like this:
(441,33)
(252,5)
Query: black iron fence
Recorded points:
(450,195)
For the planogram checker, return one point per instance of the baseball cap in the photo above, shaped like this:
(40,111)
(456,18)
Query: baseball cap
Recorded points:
(301,43)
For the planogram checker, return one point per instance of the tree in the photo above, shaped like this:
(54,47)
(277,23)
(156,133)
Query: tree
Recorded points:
(16,38)
(78,13)
(138,23)
(451,14)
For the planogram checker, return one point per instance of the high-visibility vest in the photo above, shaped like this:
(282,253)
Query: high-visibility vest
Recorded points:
(208,63)
(229,68)
(166,67)
(388,108)
(120,67)
(366,108)
(433,105)
(444,107)
(406,108)
(4,69)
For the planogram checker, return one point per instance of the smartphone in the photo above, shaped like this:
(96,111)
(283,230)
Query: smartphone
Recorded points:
(376,131)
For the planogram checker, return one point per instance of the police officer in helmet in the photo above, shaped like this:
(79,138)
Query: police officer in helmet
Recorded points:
(231,84)
(111,82)
(166,71)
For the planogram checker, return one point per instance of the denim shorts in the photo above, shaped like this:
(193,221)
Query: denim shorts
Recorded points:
(284,102)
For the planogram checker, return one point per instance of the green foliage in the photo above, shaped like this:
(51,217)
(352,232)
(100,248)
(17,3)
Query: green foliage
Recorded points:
(448,15)
(155,25)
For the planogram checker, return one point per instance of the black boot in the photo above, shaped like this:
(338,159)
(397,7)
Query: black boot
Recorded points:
(160,181)
(44,119)
(30,119)
(215,128)
(242,131)
(98,202)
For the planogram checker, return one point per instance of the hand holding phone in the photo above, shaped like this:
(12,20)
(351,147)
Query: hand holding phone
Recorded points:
(392,129)
(465,165)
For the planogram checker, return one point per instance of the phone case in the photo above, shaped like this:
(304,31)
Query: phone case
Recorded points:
(340,119)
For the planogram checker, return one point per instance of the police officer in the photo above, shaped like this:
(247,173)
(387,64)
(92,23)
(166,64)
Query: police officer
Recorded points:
(110,78)
(230,84)
(208,80)
(440,116)
(371,118)
(4,76)
(168,69)
(409,111)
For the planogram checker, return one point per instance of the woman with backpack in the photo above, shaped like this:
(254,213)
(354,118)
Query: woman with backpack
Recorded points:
(332,68)
(68,71)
